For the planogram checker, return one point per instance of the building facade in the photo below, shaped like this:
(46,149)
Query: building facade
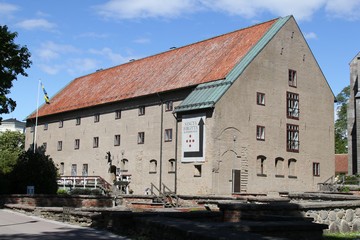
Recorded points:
(353,117)
(245,112)
(12,124)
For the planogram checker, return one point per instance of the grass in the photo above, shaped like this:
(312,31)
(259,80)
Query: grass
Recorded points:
(342,236)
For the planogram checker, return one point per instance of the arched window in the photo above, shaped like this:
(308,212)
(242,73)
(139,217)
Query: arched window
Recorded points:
(171,168)
(292,168)
(124,165)
(153,166)
(260,166)
(279,167)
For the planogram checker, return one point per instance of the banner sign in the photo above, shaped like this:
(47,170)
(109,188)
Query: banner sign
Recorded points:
(193,138)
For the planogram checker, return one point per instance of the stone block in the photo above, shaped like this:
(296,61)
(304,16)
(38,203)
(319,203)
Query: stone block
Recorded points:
(356,225)
(349,215)
(333,228)
(340,214)
(344,227)
(357,212)
(323,215)
(332,216)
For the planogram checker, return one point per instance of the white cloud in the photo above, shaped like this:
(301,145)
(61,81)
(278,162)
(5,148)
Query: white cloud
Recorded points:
(142,40)
(115,58)
(51,69)
(81,65)
(39,23)
(129,9)
(50,50)
(348,9)
(7,8)
(310,35)
(91,35)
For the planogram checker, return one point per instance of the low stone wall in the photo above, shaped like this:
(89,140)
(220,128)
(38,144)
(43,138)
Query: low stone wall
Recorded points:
(340,216)
(40,200)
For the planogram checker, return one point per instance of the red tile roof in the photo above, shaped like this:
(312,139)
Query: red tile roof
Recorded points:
(341,163)
(190,65)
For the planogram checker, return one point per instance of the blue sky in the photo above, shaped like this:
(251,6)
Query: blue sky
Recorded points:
(69,39)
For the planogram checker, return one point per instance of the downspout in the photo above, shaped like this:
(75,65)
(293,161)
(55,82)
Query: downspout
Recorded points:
(161,141)
(176,149)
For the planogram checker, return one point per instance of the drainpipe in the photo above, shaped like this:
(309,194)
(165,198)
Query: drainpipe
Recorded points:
(176,149)
(161,141)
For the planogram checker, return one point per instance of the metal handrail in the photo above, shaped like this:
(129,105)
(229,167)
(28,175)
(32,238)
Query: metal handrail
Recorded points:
(84,181)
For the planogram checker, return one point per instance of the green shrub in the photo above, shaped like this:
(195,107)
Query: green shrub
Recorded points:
(62,192)
(85,191)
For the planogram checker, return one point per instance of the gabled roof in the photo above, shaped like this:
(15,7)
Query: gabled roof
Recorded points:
(199,63)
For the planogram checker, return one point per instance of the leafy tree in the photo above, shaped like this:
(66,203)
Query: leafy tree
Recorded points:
(11,146)
(34,169)
(14,59)
(341,121)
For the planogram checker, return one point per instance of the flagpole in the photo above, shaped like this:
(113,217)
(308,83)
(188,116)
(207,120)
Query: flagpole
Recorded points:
(37,113)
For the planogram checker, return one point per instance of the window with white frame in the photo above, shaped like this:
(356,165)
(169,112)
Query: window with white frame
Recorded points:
(73,170)
(141,111)
(117,114)
(260,133)
(78,121)
(97,118)
(168,135)
(59,145)
(85,170)
(61,123)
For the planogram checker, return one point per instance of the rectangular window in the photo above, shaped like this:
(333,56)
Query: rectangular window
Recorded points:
(141,138)
(292,105)
(260,98)
(197,171)
(73,170)
(46,126)
(44,145)
(169,106)
(316,169)
(168,135)
(292,135)
(85,170)
(78,120)
(59,145)
(62,168)
(96,142)
(260,133)
(61,123)
(141,110)
(77,144)
(96,117)
(117,140)
(118,114)
(292,78)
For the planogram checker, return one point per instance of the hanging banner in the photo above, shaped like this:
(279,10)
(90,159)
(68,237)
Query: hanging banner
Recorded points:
(193,138)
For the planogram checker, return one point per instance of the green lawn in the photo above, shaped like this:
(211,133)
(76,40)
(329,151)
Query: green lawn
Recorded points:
(342,236)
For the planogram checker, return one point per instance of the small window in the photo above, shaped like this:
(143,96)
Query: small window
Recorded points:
(62,168)
(292,105)
(97,118)
(61,123)
(197,171)
(85,170)
(260,165)
(316,169)
(169,106)
(292,138)
(141,110)
(171,166)
(73,170)
(168,135)
(260,98)
(153,166)
(292,78)
(124,165)
(260,133)
(141,138)
(117,140)
(46,126)
(78,121)
(59,145)
(96,142)
(77,144)
(118,114)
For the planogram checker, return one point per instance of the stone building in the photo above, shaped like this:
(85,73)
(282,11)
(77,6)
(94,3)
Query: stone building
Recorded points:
(12,124)
(245,112)
(353,117)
